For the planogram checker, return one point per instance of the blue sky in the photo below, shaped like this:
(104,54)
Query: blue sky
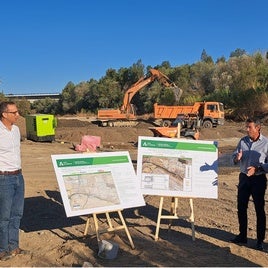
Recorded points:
(44,44)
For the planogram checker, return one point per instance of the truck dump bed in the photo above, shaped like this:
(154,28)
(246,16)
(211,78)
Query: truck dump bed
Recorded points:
(171,112)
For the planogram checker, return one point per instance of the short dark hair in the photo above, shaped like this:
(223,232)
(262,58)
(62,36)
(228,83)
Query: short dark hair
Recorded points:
(254,120)
(3,106)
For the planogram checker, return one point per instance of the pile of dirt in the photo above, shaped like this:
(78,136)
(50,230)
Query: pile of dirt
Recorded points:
(71,130)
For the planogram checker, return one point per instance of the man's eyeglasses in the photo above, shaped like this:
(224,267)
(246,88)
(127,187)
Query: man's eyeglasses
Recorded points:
(15,112)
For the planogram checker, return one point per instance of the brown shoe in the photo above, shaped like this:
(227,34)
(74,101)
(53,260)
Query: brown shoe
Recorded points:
(19,251)
(4,256)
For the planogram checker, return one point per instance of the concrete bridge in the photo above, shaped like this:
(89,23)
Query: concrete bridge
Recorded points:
(34,96)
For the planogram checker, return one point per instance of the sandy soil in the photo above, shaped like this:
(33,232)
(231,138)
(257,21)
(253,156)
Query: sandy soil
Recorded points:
(55,240)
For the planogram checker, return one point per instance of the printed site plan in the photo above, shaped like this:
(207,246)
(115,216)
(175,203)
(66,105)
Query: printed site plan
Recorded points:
(178,167)
(97,183)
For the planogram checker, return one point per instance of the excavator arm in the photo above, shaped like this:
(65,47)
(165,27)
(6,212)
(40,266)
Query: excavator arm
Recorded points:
(142,82)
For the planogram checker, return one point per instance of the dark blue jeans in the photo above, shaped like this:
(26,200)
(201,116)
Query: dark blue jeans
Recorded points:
(11,210)
(254,186)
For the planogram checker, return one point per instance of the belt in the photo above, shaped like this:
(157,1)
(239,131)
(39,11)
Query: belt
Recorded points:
(15,172)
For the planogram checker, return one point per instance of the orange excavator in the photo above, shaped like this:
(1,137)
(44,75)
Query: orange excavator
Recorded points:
(126,115)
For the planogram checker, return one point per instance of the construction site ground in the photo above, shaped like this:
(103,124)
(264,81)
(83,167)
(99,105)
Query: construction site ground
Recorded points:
(55,240)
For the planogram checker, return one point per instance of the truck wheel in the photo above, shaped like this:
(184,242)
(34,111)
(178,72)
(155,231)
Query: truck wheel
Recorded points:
(207,124)
(166,123)
(111,124)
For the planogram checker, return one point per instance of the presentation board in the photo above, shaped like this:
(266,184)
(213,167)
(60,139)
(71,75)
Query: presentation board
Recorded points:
(178,167)
(97,182)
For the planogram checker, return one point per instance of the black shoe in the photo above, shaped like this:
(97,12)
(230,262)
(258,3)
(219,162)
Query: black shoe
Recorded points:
(239,240)
(259,246)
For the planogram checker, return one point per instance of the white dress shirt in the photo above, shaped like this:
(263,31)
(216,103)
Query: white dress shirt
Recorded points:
(10,159)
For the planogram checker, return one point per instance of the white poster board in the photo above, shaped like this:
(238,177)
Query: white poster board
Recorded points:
(97,182)
(178,167)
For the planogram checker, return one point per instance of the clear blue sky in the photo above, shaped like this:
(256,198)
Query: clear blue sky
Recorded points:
(44,44)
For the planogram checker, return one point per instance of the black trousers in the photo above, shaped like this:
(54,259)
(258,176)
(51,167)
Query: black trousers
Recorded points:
(254,186)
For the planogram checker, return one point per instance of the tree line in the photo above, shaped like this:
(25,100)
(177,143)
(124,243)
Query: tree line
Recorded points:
(239,82)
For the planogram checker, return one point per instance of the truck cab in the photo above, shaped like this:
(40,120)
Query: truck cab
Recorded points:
(212,114)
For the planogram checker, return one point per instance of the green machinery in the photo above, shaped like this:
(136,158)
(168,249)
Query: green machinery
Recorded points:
(40,127)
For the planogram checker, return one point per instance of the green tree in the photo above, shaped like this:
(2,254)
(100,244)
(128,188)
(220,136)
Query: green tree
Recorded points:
(206,58)
(222,59)
(45,106)
(129,76)
(262,71)
(68,99)
(164,68)
(201,74)
(91,98)
(148,96)
(243,73)
(2,97)
(80,91)
(110,94)
(239,52)
(24,106)
(181,76)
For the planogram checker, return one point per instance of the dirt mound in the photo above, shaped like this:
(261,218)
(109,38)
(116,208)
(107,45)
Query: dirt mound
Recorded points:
(71,130)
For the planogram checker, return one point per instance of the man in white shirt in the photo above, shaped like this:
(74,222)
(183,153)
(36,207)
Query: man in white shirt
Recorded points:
(11,182)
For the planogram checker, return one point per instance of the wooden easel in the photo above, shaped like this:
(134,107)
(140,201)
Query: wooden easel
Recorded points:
(111,228)
(173,215)
(174,205)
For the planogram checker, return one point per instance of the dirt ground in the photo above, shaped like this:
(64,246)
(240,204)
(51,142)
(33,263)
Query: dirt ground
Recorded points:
(55,240)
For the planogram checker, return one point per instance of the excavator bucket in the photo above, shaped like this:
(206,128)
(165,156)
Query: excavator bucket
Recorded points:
(177,93)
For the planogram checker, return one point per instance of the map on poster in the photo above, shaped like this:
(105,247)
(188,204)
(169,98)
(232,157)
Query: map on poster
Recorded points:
(97,182)
(178,167)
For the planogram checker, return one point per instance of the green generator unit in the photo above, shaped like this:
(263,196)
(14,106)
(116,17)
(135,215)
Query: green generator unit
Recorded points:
(40,127)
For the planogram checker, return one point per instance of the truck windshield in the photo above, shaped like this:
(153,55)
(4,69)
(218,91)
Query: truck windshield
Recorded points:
(212,107)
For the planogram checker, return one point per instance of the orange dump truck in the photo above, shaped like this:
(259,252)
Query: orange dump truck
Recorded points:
(208,114)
